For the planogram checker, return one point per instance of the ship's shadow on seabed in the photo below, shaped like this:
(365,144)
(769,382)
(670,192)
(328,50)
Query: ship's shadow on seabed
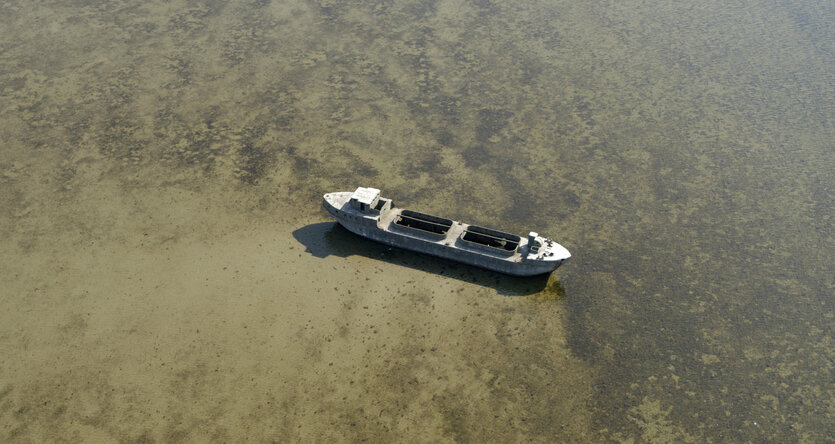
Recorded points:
(331,239)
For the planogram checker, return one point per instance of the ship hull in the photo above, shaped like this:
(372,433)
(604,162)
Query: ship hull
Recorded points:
(368,228)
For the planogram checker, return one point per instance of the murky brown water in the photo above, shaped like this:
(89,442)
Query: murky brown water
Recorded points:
(167,272)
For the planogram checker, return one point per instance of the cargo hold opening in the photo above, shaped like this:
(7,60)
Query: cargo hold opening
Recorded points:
(491,238)
(425,222)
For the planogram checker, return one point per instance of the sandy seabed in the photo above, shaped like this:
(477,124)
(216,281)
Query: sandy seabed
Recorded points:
(167,273)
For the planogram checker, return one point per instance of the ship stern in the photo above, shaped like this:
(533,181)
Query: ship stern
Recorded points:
(333,202)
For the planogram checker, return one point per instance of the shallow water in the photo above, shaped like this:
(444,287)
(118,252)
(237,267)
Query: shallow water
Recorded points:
(168,273)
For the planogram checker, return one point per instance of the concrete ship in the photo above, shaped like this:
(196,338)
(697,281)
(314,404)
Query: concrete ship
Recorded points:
(367,214)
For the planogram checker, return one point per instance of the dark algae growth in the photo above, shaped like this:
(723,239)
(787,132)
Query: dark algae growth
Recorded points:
(167,273)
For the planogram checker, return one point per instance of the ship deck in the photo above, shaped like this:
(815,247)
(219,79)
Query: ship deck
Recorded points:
(451,238)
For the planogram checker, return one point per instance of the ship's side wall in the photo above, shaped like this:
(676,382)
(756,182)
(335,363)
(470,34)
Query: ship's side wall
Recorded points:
(367,228)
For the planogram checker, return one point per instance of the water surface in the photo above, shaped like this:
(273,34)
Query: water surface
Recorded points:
(168,274)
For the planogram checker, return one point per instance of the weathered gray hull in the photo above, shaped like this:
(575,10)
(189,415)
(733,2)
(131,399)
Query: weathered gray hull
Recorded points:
(452,253)
(456,250)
